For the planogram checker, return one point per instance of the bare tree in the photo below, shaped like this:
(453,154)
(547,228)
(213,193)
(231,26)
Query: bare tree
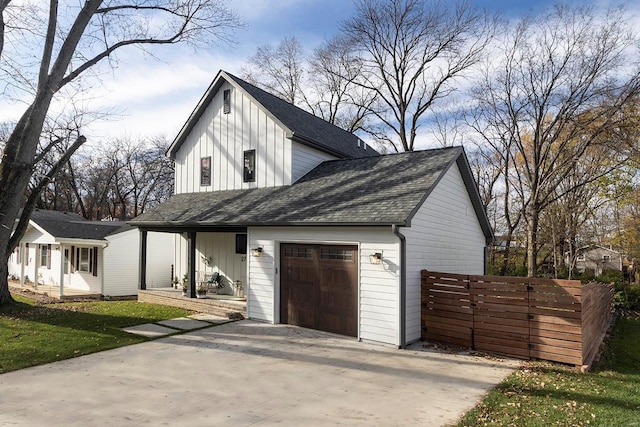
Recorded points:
(321,83)
(411,53)
(335,95)
(279,70)
(557,86)
(72,40)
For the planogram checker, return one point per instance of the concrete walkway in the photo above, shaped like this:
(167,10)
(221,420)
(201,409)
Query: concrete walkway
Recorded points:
(247,373)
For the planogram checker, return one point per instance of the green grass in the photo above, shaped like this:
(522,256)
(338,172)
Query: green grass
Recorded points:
(549,394)
(33,334)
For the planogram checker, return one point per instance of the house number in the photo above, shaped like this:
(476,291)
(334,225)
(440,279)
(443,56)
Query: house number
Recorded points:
(243,258)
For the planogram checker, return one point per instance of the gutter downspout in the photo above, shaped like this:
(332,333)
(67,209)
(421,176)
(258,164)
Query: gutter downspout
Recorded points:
(403,285)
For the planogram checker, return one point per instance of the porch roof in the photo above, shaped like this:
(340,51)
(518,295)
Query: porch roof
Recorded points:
(382,190)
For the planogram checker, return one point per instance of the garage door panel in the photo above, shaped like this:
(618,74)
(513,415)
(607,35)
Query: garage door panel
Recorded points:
(319,287)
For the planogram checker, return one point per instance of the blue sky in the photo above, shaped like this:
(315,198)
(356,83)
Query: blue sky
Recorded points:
(156,95)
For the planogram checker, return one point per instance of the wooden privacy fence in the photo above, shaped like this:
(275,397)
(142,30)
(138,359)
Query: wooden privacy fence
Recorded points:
(557,320)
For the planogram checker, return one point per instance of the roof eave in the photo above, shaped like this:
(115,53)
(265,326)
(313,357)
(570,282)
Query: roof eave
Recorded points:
(316,145)
(179,225)
(79,241)
(204,102)
(465,171)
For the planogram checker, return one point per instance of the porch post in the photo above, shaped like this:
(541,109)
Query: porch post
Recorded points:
(192,263)
(142,266)
(61,270)
(22,258)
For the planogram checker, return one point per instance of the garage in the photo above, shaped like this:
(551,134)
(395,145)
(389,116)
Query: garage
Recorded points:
(319,287)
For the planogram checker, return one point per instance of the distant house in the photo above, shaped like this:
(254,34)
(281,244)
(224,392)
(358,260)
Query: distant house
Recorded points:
(71,254)
(597,259)
(319,228)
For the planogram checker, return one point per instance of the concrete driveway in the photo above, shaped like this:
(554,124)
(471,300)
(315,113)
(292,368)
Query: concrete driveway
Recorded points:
(247,373)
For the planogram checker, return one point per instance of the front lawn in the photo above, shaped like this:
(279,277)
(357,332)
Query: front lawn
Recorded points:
(550,394)
(32,334)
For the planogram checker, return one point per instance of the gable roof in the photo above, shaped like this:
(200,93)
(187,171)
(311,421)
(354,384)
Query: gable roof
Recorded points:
(69,225)
(299,125)
(594,247)
(382,190)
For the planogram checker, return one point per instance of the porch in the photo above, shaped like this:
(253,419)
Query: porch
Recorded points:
(220,305)
(53,290)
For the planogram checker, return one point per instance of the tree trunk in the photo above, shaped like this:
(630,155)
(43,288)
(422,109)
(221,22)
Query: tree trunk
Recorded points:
(5,295)
(532,237)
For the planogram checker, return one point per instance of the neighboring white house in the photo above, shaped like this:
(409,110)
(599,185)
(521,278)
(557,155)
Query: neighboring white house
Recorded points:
(320,229)
(92,257)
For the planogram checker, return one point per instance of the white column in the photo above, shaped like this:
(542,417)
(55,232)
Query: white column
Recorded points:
(36,266)
(61,270)
(22,257)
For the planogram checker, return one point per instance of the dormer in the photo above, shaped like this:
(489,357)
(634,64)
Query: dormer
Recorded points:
(241,137)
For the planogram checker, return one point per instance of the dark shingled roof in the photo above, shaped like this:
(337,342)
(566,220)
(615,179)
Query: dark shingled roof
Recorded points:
(381,190)
(68,225)
(306,128)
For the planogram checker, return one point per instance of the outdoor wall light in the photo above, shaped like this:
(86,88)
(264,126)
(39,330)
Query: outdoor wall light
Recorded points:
(376,258)
(256,252)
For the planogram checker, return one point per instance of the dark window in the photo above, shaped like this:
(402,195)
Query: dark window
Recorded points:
(298,252)
(45,256)
(226,106)
(342,254)
(205,171)
(241,244)
(249,173)
(66,261)
(84,260)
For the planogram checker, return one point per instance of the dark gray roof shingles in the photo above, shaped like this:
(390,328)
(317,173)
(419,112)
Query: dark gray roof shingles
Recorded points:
(308,126)
(373,190)
(68,225)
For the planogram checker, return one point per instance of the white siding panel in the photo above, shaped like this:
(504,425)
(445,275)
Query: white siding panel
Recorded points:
(445,235)
(305,158)
(121,262)
(379,308)
(220,248)
(225,137)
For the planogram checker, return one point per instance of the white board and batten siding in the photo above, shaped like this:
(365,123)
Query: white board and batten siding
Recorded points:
(220,248)
(379,305)
(444,236)
(225,137)
(121,262)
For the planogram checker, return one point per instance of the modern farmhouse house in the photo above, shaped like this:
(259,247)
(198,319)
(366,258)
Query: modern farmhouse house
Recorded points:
(318,228)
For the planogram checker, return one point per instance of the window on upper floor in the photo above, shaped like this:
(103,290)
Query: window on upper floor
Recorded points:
(580,257)
(205,171)
(249,169)
(606,258)
(226,98)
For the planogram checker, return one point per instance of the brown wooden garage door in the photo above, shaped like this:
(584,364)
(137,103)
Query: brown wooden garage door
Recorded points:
(319,287)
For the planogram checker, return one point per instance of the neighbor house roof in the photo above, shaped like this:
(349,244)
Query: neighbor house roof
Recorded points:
(381,190)
(71,226)
(300,125)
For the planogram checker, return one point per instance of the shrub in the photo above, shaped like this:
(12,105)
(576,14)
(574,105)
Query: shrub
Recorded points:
(627,296)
